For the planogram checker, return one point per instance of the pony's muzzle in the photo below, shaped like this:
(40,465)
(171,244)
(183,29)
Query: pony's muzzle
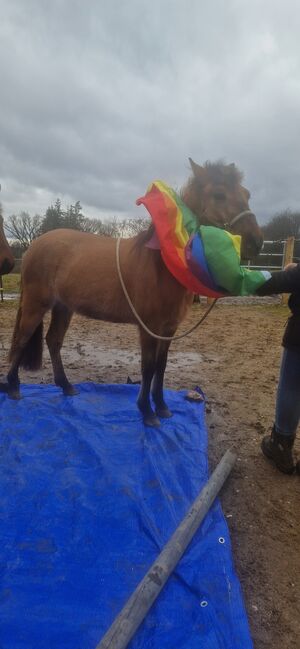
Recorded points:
(251,246)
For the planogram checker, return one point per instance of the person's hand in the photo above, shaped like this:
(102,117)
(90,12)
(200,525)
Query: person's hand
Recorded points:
(290,265)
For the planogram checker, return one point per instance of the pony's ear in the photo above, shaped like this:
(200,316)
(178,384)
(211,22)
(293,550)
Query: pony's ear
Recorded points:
(198,171)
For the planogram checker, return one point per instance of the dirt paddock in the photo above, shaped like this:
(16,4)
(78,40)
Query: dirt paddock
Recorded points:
(235,358)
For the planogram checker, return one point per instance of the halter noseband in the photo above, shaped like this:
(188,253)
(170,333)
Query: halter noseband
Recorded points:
(237,218)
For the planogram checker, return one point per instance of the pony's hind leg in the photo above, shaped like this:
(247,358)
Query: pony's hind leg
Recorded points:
(26,347)
(148,349)
(161,407)
(60,321)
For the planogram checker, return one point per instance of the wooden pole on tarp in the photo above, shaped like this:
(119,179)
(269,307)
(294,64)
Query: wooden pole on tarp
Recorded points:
(129,619)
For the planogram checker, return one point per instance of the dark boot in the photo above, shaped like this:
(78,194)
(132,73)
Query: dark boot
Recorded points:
(278,447)
(283,281)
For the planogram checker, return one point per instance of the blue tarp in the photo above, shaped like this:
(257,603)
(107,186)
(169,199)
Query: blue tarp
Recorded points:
(89,496)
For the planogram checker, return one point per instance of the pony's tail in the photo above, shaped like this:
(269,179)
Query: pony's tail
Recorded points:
(32,355)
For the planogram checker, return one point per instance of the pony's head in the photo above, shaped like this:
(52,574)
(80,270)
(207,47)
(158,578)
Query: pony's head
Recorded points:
(7,261)
(216,196)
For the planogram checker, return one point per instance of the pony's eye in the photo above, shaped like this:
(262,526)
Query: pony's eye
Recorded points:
(219,196)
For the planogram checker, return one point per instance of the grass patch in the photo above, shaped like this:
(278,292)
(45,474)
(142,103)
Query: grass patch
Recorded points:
(8,305)
(11,283)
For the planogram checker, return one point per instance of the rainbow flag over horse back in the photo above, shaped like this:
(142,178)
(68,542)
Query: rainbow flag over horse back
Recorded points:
(204,259)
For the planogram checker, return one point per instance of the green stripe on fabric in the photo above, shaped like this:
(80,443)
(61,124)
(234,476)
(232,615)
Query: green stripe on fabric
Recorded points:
(224,263)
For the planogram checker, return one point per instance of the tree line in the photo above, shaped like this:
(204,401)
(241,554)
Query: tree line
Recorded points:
(23,228)
(283,225)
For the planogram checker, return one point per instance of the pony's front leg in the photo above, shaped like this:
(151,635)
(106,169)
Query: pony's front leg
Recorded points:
(161,407)
(60,320)
(148,349)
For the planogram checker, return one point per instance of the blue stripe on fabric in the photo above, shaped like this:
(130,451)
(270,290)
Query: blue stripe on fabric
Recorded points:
(197,264)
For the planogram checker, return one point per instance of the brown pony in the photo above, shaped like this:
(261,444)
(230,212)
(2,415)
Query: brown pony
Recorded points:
(69,271)
(6,258)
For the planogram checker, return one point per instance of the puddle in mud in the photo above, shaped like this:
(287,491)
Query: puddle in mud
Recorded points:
(10,296)
(113,356)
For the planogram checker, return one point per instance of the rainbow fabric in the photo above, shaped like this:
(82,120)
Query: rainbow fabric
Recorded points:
(204,259)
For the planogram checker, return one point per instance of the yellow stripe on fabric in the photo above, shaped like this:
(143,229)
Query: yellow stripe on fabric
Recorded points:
(181,235)
(236,240)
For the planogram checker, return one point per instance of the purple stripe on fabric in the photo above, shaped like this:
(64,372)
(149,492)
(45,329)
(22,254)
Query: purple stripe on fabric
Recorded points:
(153,243)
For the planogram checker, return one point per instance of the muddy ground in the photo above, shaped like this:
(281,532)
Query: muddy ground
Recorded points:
(235,358)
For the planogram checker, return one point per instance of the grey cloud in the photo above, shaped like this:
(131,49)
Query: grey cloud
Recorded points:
(100,98)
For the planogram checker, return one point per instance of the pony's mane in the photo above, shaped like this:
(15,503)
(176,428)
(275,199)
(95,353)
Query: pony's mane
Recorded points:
(217,173)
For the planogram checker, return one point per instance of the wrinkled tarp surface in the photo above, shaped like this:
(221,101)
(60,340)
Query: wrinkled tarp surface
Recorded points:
(89,496)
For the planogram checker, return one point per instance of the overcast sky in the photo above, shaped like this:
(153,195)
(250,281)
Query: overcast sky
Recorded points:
(99,97)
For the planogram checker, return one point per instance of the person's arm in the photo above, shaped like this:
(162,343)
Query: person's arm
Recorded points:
(283,281)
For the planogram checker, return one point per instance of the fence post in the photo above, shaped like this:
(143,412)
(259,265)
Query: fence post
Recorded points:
(288,256)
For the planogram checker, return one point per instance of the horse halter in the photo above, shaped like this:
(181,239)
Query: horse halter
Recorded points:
(236,218)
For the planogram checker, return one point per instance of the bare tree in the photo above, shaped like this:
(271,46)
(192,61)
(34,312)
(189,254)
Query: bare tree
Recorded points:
(134,226)
(115,227)
(107,228)
(23,228)
(283,225)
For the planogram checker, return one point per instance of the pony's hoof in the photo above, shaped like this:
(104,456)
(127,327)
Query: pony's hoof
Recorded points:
(164,413)
(12,393)
(70,391)
(151,420)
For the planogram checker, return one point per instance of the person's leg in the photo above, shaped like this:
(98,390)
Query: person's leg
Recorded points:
(278,446)
(287,414)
